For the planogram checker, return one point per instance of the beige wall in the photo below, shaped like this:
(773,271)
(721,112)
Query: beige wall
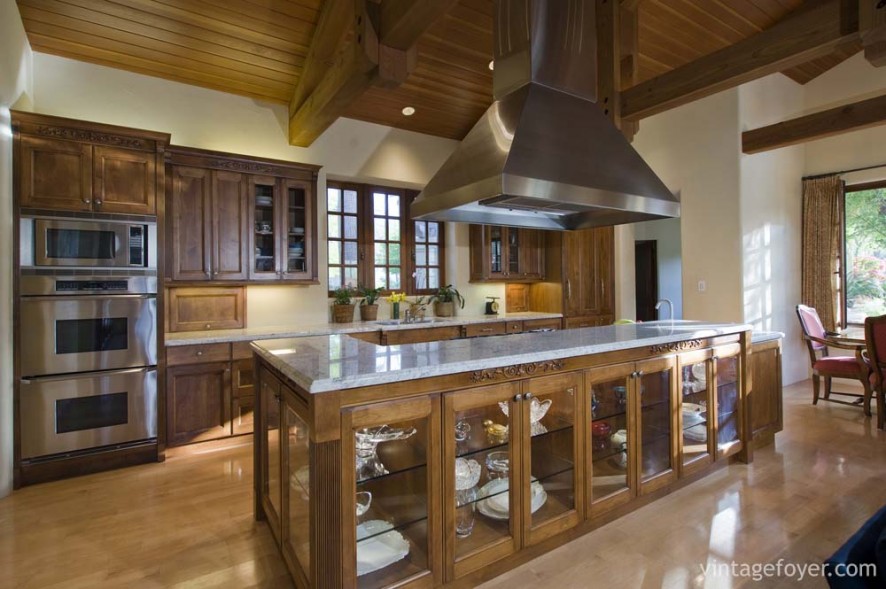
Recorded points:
(770,222)
(15,91)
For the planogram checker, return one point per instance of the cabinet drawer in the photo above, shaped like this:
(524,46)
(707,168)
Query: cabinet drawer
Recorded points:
(198,309)
(416,336)
(587,321)
(241,351)
(541,325)
(478,329)
(514,326)
(198,354)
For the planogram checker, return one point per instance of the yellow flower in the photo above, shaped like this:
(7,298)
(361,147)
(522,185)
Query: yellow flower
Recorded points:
(396,297)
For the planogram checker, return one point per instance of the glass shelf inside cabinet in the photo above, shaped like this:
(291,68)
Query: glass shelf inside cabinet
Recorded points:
(655,422)
(265,238)
(609,438)
(694,411)
(296,226)
(391,502)
(727,402)
(482,477)
(552,431)
(299,539)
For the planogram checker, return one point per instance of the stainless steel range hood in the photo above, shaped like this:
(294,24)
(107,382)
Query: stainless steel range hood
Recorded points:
(545,154)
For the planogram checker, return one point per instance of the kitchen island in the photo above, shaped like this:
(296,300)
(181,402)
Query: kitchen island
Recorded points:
(446,463)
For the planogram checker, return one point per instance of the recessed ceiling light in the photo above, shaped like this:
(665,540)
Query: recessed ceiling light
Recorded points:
(492,65)
(408,111)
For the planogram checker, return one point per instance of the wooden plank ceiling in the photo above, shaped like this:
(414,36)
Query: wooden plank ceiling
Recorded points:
(257,48)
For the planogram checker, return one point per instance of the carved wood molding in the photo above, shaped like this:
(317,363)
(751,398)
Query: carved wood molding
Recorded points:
(676,346)
(516,370)
(242,166)
(94,137)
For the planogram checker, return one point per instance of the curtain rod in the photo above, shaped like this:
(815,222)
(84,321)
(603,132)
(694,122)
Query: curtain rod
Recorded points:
(841,172)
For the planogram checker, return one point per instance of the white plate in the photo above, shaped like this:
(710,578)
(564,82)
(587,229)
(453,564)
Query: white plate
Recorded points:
(497,506)
(699,371)
(383,549)
(697,433)
(693,408)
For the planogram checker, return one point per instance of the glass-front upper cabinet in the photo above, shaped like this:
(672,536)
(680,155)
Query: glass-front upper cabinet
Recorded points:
(727,377)
(513,251)
(482,464)
(391,459)
(696,409)
(611,453)
(552,455)
(297,235)
(265,243)
(656,381)
(497,250)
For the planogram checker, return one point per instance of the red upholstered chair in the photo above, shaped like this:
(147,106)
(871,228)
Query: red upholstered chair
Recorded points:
(875,355)
(828,367)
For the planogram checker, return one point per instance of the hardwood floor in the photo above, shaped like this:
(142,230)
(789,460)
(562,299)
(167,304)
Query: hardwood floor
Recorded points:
(188,522)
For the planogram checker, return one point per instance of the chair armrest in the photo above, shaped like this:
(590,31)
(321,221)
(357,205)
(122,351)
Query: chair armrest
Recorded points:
(833,344)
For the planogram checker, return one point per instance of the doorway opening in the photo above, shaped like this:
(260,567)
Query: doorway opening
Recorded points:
(646,272)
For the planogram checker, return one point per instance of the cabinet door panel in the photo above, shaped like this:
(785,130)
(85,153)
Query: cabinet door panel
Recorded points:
(243,415)
(532,254)
(656,381)
(727,379)
(605,265)
(696,447)
(482,521)
(272,457)
(55,174)
(553,473)
(299,258)
(190,224)
(198,402)
(228,226)
(125,181)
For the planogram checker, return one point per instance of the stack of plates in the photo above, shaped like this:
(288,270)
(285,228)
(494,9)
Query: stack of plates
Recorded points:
(496,505)
(264,201)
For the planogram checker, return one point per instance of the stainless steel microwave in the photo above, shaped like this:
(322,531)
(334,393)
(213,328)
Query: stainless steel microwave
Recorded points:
(87,243)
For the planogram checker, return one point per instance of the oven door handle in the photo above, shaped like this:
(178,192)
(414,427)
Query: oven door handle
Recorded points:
(39,379)
(91,297)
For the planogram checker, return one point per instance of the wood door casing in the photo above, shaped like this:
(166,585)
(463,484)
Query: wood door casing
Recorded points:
(229,225)
(198,402)
(124,181)
(55,174)
(190,243)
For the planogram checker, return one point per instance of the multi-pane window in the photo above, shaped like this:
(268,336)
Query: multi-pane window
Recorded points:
(342,230)
(372,240)
(864,249)
(428,261)
(387,244)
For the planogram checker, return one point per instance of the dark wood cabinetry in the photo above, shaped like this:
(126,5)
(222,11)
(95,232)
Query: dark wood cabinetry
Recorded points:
(240,219)
(69,165)
(201,309)
(511,254)
(580,277)
(766,404)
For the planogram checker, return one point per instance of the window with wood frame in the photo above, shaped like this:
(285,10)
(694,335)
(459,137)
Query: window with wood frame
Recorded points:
(372,240)
(863,267)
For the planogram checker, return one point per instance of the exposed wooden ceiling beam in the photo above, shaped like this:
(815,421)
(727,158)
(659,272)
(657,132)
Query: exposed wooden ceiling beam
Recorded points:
(834,121)
(872,22)
(798,38)
(356,44)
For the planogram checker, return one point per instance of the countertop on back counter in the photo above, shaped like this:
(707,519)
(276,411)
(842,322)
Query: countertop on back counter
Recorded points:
(330,363)
(185,338)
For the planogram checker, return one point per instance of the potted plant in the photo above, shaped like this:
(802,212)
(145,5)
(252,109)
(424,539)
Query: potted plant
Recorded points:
(369,306)
(342,307)
(445,299)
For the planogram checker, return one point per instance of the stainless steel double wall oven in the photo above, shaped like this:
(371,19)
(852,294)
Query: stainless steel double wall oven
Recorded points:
(88,336)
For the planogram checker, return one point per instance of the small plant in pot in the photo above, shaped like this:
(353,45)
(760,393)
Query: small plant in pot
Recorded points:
(444,301)
(342,307)
(369,306)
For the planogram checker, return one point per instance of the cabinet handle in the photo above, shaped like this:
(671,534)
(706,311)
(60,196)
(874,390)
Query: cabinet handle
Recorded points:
(516,398)
(568,289)
(486,329)
(527,396)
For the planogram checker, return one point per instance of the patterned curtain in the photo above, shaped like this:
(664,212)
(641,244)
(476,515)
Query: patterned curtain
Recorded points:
(822,240)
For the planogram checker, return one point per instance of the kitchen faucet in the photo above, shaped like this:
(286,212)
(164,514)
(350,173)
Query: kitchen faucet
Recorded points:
(670,308)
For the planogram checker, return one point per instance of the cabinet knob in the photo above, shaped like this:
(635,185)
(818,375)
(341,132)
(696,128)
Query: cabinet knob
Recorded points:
(208,326)
(200,353)
(516,398)
(98,201)
(639,373)
(527,396)
(87,201)
(634,374)
(215,273)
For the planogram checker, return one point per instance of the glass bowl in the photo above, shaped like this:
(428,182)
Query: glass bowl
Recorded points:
(537,409)
(467,473)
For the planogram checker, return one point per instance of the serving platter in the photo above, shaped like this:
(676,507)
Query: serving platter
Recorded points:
(379,546)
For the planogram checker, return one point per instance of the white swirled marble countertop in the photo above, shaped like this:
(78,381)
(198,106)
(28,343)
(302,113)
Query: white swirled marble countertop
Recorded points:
(335,362)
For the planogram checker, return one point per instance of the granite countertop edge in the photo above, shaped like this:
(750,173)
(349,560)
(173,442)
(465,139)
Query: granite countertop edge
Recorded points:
(248,334)
(283,354)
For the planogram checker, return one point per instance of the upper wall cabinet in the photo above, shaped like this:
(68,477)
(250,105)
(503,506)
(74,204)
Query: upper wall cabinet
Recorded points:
(240,219)
(70,165)
(506,254)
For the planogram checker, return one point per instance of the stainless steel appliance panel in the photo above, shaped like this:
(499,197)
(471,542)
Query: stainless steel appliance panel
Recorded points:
(66,414)
(85,243)
(87,333)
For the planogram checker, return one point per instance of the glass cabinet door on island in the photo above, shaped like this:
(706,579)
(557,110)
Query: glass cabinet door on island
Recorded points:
(297,522)
(391,462)
(726,365)
(271,488)
(696,423)
(551,446)
(655,382)
(480,479)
